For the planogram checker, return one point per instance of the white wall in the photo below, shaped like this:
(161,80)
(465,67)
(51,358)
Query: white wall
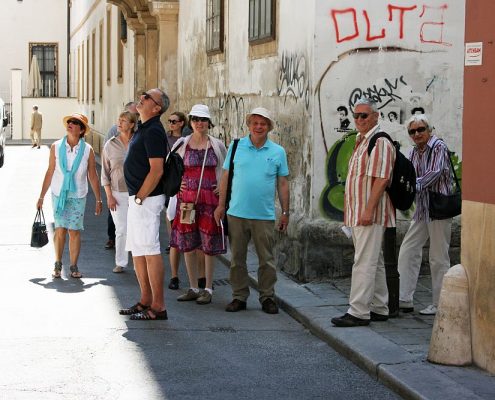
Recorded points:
(116,94)
(22,22)
(411,61)
(53,109)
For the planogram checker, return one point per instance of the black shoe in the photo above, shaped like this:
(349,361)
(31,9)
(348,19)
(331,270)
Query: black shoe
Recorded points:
(348,320)
(235,305)
(174,283)
(377,317)
(202,283)
(269,307)
(406,306)
(110,244)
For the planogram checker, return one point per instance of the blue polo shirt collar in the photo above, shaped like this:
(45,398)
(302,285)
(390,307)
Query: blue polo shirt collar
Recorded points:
(266,145)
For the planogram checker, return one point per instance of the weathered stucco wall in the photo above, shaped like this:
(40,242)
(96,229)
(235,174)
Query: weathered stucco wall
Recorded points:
(233,83)
(404,57)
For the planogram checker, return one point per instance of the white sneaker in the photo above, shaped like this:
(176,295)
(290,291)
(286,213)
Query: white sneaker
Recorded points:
(118,269)
(430,310)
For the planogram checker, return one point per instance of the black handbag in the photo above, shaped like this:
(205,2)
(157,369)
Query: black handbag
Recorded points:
(39,234)
(225,221)
(444,206)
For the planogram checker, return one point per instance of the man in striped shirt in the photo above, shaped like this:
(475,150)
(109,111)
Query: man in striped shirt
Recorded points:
(368,211)
(430,157)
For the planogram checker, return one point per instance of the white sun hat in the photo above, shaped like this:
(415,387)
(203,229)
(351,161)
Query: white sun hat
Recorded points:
(264,113)
(200,110)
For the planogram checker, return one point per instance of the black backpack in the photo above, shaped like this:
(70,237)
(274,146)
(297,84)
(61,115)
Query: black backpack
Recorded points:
(402,190)
(173,169)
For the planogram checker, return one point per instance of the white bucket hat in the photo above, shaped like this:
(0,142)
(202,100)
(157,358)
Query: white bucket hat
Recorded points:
(200,110)
(264,113)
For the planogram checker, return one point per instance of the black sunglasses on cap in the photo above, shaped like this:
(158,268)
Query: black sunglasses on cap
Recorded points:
(421,129)
(360,115)
(198,119)
(148,96)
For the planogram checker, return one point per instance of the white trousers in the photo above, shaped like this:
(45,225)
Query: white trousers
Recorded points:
(368,284)
(120,220)
(411,254)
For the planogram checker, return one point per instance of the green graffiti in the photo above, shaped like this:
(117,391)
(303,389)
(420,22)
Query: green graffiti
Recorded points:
(331,201)
(336,165)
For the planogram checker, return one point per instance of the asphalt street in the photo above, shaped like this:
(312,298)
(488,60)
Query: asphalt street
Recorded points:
(64,339)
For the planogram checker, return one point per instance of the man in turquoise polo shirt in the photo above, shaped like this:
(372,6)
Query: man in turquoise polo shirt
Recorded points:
(260,169)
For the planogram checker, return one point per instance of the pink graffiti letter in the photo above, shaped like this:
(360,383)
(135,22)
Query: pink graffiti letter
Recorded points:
(402,11)
(432,25)
(351,36)
(369,38)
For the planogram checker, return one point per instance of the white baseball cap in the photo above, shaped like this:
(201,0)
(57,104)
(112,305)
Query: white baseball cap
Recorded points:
(264,113)
(200,110)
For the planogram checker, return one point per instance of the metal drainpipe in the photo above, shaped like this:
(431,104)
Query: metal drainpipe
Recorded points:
(391,271)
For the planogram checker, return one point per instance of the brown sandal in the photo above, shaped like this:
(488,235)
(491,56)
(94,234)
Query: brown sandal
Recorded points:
(74,272)
(57,270)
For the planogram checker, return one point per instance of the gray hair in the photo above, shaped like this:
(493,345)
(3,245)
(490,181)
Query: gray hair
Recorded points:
(165,101)
(418,118)
(366,102)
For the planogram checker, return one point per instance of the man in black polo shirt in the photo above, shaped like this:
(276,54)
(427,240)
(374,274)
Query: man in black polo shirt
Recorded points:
(143,168)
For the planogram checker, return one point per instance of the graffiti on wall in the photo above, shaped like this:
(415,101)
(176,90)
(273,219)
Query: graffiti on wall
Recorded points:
(398,94)
(231,113)
(346,23)
(382,93)
(293,78)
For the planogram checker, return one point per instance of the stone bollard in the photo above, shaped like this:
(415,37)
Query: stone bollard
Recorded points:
(451,336)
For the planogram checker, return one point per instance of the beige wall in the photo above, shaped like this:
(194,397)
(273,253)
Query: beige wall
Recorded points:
(478,190)
(478,257)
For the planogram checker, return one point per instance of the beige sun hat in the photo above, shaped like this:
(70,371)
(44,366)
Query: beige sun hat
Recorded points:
(81,118)
(262,112)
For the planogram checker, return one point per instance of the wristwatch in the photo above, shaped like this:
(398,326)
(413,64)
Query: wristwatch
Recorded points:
(285,213)
(138,201)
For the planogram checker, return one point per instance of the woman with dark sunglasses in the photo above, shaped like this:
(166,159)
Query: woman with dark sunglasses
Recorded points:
(430,157)
(71,164)
(177,127)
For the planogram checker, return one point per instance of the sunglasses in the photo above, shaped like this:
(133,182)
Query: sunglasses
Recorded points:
(173,121)
(360,115)
(200,119)
(421,129)
(75,122)
(148,96)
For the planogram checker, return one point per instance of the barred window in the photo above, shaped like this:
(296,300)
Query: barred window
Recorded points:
(214,26)
(261,21)
(46,54)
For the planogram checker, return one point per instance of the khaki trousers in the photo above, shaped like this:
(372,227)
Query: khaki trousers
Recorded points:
(241,231)
(36,137)
(368,284)
(411,255)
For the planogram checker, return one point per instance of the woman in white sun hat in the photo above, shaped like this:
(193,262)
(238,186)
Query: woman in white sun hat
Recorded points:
(203,157)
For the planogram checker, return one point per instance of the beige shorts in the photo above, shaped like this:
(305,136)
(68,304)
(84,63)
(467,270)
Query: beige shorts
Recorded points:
(143,226)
